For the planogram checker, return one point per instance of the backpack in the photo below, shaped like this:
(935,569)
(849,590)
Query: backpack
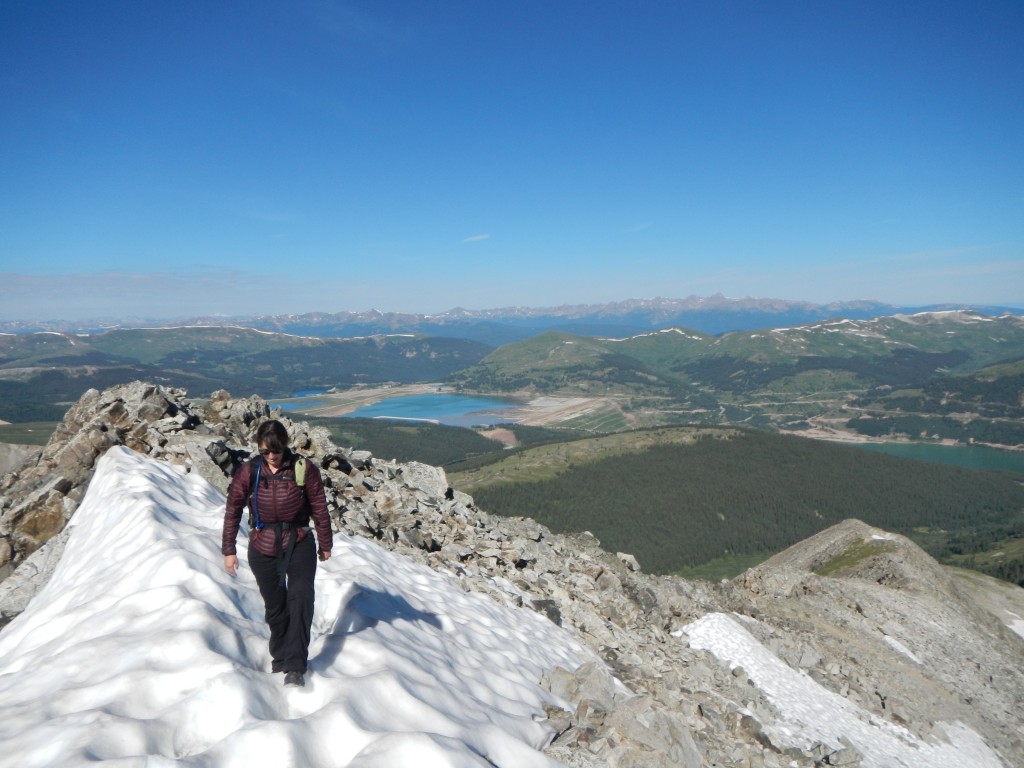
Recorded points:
(299,468)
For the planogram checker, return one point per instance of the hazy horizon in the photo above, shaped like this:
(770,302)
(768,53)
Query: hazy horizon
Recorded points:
(128,318)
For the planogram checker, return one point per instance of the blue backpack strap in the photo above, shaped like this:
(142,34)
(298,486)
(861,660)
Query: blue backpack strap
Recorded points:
(254,516)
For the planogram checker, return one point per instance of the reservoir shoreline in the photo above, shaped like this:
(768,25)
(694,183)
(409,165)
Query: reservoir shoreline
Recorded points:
(550,411)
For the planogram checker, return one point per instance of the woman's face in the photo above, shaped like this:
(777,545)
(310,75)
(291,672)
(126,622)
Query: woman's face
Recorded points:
(273,458)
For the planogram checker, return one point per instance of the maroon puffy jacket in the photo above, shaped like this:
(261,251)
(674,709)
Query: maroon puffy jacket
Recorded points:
(278,499)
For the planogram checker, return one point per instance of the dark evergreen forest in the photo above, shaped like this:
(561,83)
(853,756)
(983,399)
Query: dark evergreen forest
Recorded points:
(435,444)
(674,506)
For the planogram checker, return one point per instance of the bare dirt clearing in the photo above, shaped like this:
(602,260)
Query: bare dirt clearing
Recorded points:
(539,411)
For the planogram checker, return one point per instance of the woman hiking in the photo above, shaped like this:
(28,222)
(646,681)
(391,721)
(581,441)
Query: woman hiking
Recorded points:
(281,548)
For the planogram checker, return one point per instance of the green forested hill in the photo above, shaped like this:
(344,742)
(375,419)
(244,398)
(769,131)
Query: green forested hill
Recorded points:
(41,373)
(885,351)
(780,379)
(985,406)
(562,362)
(745,494)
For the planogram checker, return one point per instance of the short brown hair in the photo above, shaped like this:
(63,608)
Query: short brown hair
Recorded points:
(272,435)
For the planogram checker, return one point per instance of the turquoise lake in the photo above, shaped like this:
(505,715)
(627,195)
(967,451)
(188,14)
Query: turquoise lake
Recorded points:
(967,456)
(450,409)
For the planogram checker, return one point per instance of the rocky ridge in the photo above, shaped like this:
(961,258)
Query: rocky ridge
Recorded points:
(863,613)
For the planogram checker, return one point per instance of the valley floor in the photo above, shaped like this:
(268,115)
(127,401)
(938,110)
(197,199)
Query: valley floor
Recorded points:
(597,414)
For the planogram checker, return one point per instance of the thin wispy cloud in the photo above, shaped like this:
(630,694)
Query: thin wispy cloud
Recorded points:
(642,226)
(987,268)
(476,238)
(346,22)
(943,254)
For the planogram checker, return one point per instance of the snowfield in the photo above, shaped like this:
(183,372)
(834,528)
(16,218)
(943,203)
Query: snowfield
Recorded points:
(142,651)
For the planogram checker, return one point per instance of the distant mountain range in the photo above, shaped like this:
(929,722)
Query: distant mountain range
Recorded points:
(711,314)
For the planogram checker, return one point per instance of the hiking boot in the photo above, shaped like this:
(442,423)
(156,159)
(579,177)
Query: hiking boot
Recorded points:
(294,680)
(276,666)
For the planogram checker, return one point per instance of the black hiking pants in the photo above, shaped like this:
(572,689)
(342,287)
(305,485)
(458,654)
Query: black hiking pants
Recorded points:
(289,608)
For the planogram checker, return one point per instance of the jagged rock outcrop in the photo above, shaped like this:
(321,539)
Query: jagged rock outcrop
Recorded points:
(865,614)
(38,498)
(871,616)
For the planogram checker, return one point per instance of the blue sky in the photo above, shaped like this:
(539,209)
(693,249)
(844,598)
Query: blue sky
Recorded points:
(169,159)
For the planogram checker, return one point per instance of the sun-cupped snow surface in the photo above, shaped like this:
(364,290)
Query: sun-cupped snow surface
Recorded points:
(142,651)
(812,713)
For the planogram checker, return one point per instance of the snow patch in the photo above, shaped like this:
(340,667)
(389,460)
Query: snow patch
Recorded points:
(815,714)
(897,645)
(1016,623)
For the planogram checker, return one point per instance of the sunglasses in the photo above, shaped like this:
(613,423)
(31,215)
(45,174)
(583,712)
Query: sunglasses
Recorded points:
(265,451)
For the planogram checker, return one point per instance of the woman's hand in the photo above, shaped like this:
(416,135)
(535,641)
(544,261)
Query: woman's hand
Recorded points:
(325,554)
(231,564)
